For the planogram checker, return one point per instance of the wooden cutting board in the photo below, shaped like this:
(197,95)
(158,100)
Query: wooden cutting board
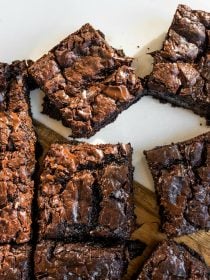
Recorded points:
(146,210)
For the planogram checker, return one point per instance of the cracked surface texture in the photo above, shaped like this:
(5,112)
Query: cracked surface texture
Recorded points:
(181,68)
(78,261)
(17,154)
(15,262)
(173,261)
(86,82)
(86,190)
(181,174)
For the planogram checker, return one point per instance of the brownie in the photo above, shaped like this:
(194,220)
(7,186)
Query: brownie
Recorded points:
(78,261)
(87,83)
(181,72)
(86,192)
(17,154)
(171,260)
(15,262)
(181,174)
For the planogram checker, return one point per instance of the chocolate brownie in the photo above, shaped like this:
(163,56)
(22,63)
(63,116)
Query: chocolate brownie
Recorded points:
(78,261)
(181,73)
(86,191)
(15,262)
(17,154)
(86,82)
(181,174)
(174,261)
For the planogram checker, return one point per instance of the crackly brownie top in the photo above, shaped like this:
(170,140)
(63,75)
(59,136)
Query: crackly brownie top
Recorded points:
(15,262)
(182,66)
(78,261)
(86,190)
(17,154)
(181,175)
(86,80)
(15,119)
(174,261)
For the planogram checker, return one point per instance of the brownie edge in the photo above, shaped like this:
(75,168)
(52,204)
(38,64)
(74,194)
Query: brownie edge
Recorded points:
(78,261)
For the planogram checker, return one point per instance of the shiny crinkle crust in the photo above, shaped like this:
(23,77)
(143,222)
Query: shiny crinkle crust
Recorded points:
(86,82)
(86,190)
(78,261)
(17,154)
(181,68)
(181,174)
(173,261)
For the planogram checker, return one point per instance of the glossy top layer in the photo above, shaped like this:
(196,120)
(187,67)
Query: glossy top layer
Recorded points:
(78,261)
(87,82)
(17,154)
(181,174)
(173,261)
(181,72)
(15,262)
(86,190)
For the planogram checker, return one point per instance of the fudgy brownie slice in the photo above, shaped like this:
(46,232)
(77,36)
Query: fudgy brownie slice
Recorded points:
(174,261)
(86,190)
(15,262)
(181,174)
(17,154)
(86,82)
(181,73)
(58,261)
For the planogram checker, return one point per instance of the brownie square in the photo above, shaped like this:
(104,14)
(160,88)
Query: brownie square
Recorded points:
(86,191)
(17,154)
(15,262)
(78,261)
(86,82)
(181,73)
(181,174)
(174,261)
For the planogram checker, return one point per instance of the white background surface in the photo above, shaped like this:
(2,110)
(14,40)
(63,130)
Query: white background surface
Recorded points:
(28,29)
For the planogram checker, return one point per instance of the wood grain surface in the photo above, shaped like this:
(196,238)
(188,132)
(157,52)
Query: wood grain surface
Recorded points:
(146,210)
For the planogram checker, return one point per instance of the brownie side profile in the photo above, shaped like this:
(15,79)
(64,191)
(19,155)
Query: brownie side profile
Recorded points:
(171,260)
(17,154)
(86,82)
(58,261)
(181,174)
(181,72)
(15,262)
(86,191)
